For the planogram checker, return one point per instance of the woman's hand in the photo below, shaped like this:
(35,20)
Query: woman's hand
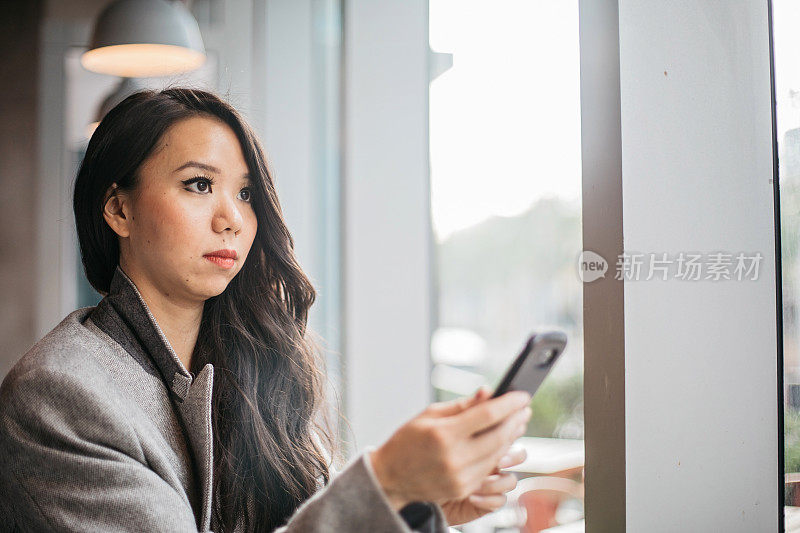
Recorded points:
(448,452)
(489,498)
(491,495)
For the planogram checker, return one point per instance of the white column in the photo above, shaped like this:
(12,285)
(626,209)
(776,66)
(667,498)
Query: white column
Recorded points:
(386,214)
(286,102)
(701,427)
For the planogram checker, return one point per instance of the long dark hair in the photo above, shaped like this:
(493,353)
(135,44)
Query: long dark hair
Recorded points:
(272,437)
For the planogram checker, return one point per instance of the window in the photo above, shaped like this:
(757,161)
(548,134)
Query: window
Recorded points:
(505,198)
(786,15)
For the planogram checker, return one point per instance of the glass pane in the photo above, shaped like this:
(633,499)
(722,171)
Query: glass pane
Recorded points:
(325,316)
(787,93)
(505,200)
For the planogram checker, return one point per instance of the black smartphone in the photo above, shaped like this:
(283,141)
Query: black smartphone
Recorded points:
(533,363)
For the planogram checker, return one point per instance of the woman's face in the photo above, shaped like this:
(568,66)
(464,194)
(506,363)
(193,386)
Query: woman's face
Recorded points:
(177,216)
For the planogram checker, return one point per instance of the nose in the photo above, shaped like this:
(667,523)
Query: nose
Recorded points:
(227,215)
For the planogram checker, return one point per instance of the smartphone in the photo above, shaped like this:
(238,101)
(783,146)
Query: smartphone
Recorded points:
(533,363)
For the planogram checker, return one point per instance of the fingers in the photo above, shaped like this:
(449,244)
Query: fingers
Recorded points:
(488,413)
(486,450)
(490,502)
(482,394)
(491,495)
(470,435)
(515,456)
(497,483)
(493,443)
(449,408)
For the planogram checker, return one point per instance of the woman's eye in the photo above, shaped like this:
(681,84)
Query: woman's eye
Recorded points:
(203,184)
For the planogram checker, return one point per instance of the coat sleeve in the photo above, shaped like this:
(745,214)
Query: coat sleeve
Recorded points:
(355,501)
(69,461)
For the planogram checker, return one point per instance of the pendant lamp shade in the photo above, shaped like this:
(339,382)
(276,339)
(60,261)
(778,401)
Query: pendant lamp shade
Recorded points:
(144,38)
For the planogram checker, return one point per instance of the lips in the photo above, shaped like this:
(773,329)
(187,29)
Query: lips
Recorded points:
(223,254)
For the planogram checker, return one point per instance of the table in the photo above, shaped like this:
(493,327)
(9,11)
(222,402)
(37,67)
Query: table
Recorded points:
(552,457)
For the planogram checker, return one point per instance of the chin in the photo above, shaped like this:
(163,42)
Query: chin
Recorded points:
(217,288)
(211,286)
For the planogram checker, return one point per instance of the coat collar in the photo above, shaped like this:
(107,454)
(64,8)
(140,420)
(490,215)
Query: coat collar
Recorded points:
(125,317)
(125,300)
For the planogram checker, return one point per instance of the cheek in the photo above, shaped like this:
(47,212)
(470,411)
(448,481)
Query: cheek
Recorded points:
(252,227)
(252,222)
(172,226)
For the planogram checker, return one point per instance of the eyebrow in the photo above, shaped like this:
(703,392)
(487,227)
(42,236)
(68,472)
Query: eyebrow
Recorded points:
(207,168)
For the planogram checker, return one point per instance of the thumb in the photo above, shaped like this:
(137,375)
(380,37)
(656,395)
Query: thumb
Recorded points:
(453,407)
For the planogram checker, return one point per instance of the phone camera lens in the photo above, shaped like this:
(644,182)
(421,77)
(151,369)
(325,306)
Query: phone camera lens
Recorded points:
(546,356)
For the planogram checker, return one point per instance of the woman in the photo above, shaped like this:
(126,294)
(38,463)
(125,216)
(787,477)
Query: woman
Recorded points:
(191,398)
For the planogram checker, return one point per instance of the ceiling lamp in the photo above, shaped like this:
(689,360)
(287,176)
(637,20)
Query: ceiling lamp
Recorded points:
(144,38)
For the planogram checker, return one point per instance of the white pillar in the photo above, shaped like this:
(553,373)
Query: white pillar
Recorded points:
(700,385)
(387,231)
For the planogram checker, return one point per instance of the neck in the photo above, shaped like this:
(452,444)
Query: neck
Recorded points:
(178,319)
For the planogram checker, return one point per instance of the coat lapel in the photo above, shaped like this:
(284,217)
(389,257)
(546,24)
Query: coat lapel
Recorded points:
(143,339)
(196,412)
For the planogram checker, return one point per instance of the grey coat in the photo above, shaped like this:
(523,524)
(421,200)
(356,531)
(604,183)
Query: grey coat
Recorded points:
(102,428)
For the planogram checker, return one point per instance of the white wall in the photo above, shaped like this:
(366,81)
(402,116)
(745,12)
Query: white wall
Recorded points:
(700,356)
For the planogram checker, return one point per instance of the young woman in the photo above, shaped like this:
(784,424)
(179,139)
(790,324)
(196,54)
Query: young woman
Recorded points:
(191,397)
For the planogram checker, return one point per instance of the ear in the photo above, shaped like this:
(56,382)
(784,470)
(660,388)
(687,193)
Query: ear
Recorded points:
(116,210)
